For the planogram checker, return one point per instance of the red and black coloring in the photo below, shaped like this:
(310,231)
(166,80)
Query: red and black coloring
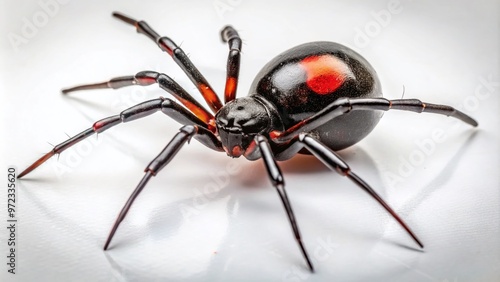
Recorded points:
(316,98)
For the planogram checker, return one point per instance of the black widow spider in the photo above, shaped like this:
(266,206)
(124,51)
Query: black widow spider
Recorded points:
(315,98)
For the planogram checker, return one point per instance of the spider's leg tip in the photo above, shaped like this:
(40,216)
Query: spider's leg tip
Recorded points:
(421,245)
(469,120)
(25,172)
(124,18)
(22,174)
(65,91)
(36,164)
(105,248)
(116,14)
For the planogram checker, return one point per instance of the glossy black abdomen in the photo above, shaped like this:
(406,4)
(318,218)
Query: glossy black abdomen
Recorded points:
(305,79)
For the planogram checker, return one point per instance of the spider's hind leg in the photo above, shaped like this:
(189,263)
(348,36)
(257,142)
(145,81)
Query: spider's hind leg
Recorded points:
(343,106)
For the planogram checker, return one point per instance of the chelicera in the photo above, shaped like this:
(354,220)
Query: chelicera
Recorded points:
(316,98)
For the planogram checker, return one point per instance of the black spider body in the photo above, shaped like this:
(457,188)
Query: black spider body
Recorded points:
(315,98)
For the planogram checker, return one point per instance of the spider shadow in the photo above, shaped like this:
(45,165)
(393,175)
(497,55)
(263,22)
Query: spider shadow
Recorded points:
(32,193)
(307,166)
(167,219)
(433,186)
(441,178)
(79,104)
(303,164)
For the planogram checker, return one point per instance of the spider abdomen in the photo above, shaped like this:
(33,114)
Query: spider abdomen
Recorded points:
(303,80)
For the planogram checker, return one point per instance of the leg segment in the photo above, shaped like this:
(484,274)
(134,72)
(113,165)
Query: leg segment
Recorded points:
(166,44)
(145,78)
(334,162)
(229,35)
(152,169)
(278,182)
(144,109)
(345,105)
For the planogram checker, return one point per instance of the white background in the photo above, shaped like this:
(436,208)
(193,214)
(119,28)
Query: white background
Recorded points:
(440,51)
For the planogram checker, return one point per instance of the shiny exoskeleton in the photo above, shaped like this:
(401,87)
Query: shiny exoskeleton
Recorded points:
(302,81)
(315,98)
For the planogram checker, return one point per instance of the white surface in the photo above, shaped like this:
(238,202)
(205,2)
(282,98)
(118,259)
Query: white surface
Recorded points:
(440,51)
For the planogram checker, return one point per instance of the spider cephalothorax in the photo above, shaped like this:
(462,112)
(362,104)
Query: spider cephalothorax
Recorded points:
(239,121)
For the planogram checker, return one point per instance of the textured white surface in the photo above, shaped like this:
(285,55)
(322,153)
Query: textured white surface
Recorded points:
(442,52)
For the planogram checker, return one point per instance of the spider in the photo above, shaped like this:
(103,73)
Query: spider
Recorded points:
(316,98)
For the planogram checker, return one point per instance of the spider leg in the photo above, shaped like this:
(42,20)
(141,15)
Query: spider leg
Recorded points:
(345,105)
(141,110)
(168,45)
(230,35)
(145,78)
(333,161)
(278,182)
(168,153)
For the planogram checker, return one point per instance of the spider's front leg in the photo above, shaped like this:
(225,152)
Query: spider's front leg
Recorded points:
(141,110)
(168,45)
(168,153)
(228,35)
(276,177)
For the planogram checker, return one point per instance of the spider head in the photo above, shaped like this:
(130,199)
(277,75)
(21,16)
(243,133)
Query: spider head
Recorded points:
(238,122)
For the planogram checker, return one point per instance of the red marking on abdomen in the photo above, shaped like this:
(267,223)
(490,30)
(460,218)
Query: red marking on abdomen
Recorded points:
(325,73)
